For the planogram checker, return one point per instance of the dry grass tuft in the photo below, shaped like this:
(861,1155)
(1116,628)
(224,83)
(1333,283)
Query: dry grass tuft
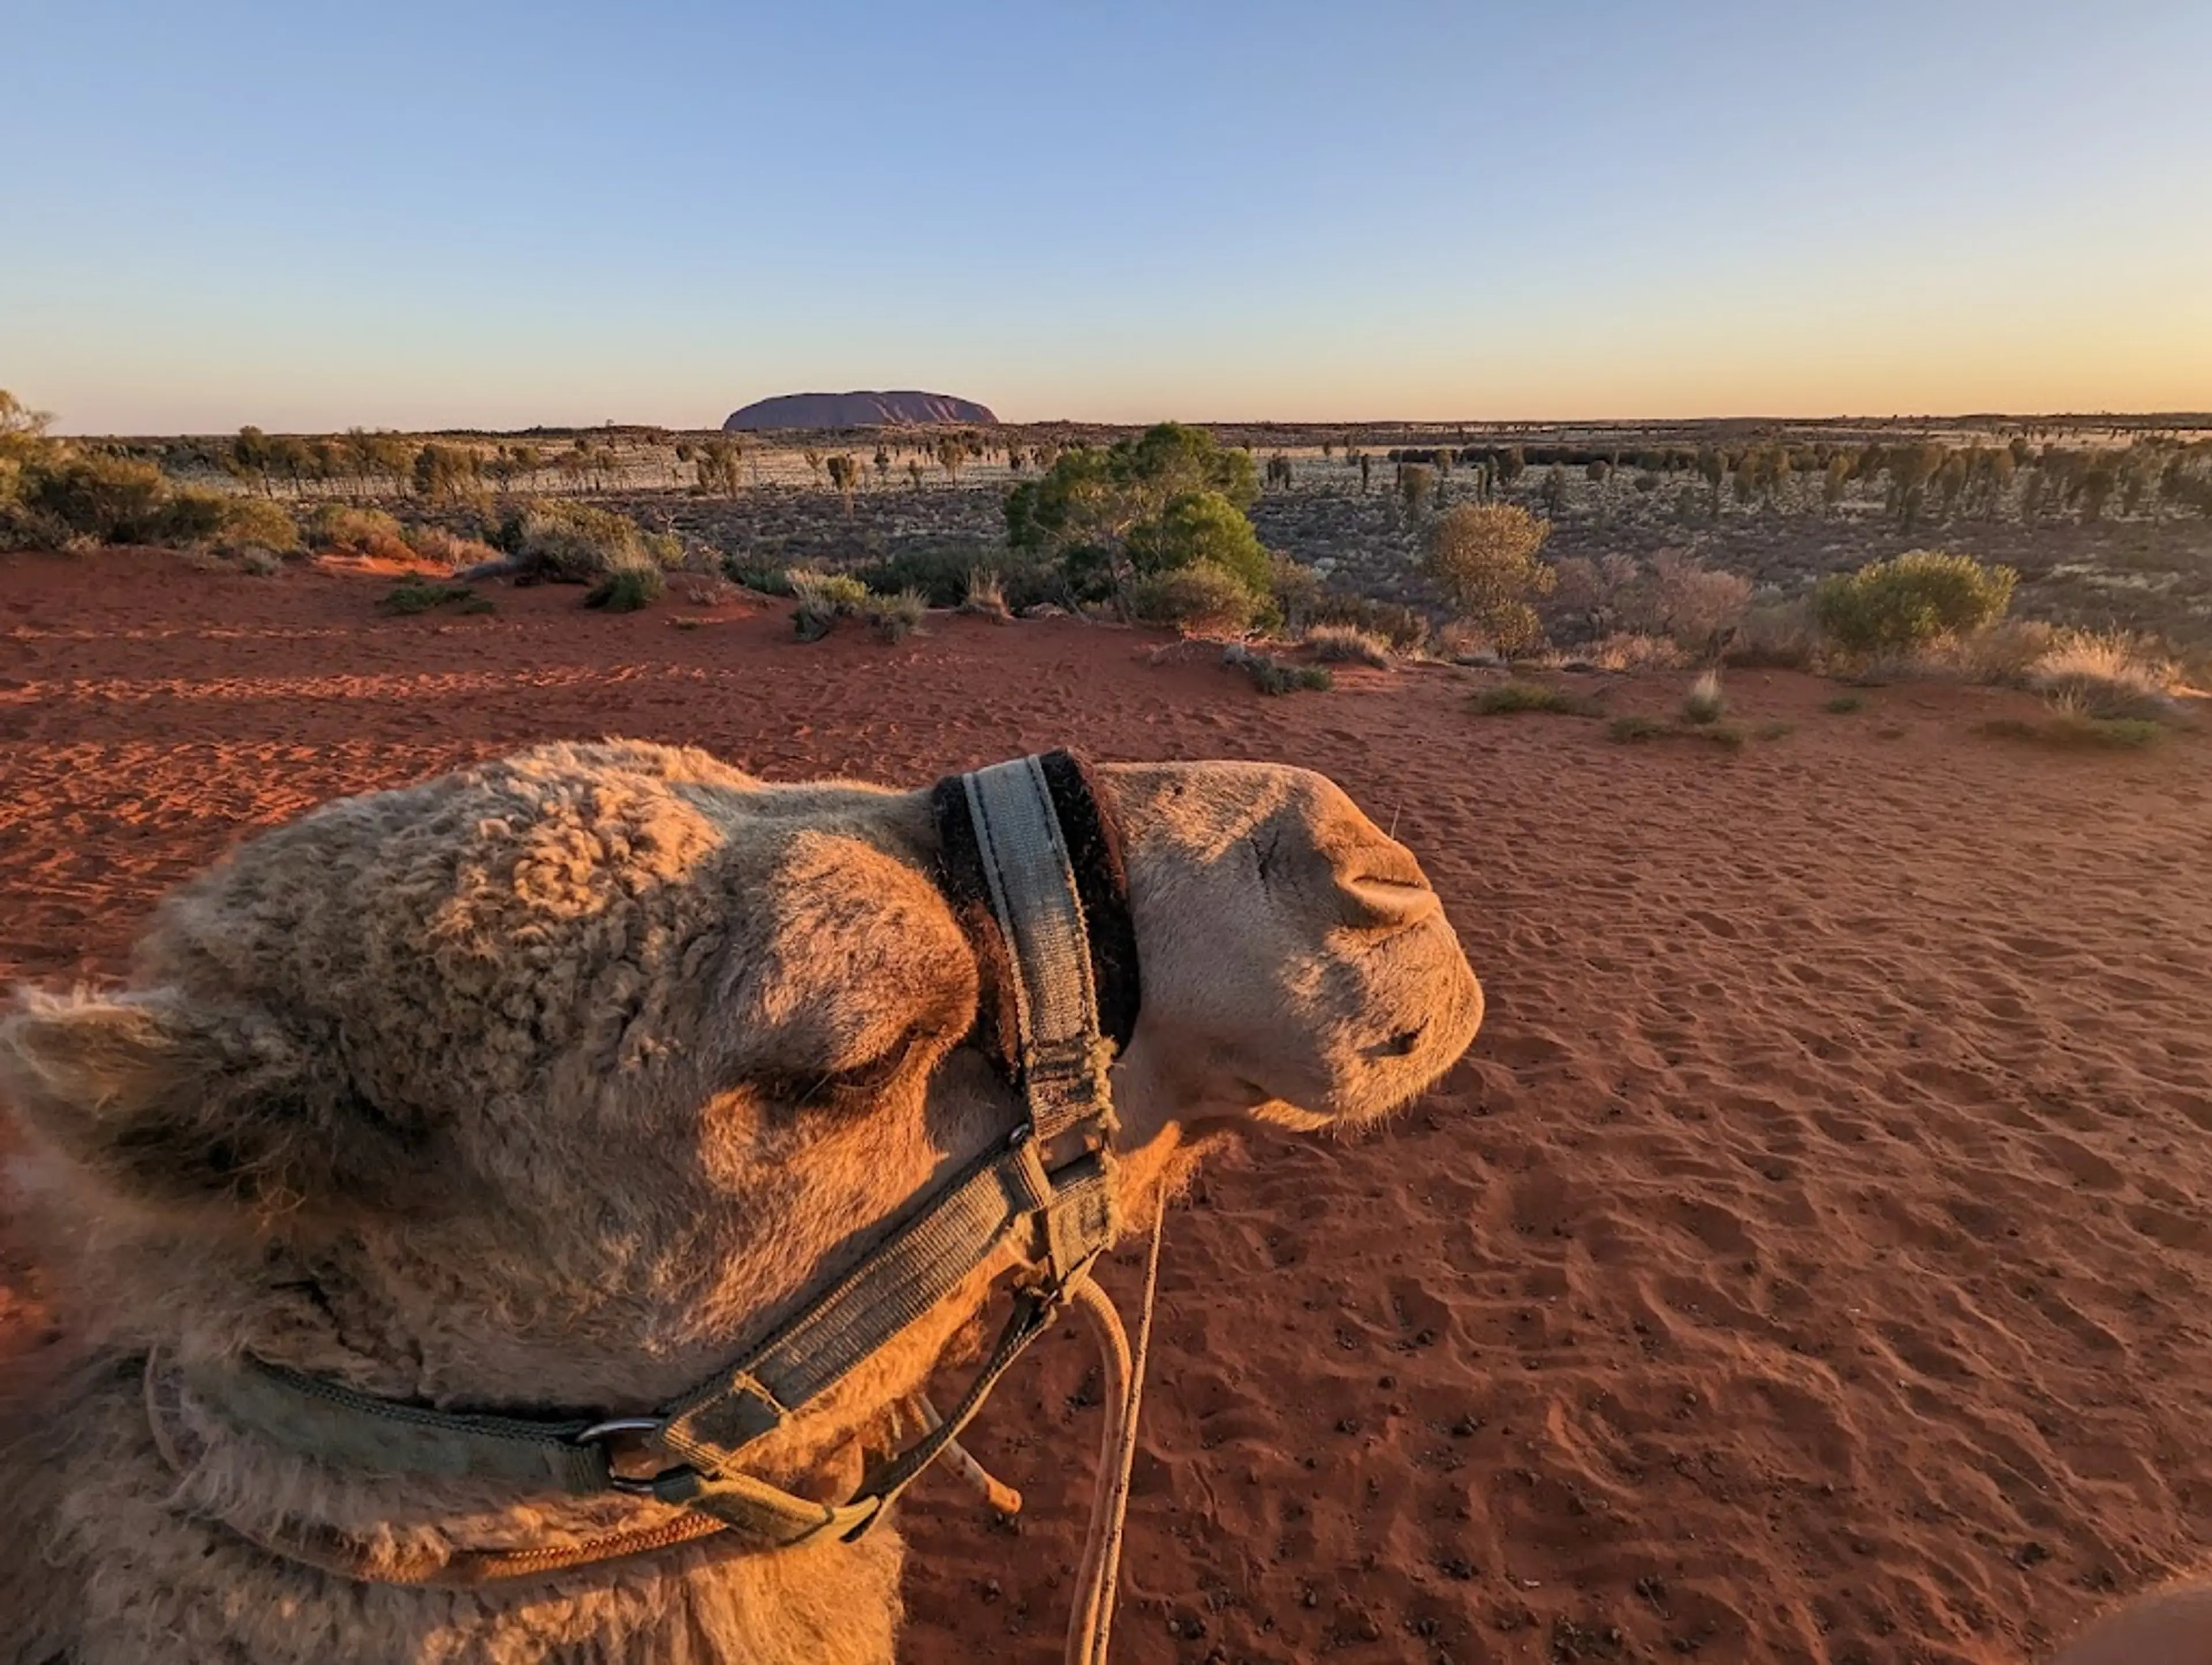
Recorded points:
(985,596)
(895,618)
(1348,643)
(1625,651)
(1705,702)
(2108,676)
(1843,705)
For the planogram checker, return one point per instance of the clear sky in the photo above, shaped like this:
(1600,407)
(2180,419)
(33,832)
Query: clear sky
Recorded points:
(487,212)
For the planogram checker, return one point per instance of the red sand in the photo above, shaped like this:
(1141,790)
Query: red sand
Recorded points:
(1810,1262)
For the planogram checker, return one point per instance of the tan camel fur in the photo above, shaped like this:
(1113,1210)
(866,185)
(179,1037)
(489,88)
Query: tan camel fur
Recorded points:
(549,1087)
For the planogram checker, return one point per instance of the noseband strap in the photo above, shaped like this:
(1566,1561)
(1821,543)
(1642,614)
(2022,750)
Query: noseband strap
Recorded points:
(1031,858)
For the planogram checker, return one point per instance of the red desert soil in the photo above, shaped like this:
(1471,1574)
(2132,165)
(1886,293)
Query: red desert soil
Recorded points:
(1810,1262)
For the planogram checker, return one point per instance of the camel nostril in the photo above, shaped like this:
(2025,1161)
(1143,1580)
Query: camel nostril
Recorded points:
(1389,903)
(1401,1044)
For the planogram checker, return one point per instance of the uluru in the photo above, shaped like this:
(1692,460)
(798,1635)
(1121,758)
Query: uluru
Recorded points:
(899,410)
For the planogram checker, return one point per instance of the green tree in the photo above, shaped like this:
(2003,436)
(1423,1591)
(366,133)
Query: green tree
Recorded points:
(952,454)
(249,456)
(844,476)
(1416,483)
(1555,492)
(1166,497)
(715,463)
(1712,468)
(1487,559)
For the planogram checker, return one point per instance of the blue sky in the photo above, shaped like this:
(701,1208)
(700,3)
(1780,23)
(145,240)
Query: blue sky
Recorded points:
(309,217)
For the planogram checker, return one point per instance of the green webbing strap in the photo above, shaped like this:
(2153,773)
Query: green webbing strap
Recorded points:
(347,1429)
(922,1263)
(1064,1056)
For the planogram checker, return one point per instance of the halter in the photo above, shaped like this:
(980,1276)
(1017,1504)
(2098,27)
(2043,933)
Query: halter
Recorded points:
(1030,859)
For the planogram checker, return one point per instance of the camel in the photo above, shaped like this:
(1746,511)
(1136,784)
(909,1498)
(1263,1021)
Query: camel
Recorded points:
(541,1088)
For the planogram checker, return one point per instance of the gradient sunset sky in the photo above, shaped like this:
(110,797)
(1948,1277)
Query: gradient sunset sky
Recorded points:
(494,214)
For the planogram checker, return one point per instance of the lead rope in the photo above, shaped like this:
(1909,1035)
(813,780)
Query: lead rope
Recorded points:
(1099,1574)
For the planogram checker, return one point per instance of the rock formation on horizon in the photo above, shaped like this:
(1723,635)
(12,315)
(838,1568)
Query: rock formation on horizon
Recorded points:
(899,409)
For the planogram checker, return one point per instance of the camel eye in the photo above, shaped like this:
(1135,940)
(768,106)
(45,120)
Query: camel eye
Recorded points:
(851,1088)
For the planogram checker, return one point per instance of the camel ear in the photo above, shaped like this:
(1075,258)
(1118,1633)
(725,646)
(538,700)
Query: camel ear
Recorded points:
(171,1102)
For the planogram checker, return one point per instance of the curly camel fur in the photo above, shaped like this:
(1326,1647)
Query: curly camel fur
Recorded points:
(549,1085)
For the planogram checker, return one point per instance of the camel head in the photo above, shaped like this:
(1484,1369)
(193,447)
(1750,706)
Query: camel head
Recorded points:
(550,1082)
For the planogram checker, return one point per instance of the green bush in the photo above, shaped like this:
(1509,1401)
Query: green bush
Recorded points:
(567,542)
(116,500)
(1202,529)
(939,572)
(1510,699)
(413,594)
(1906,603)
(627,590)
(256,523)
(1201,599)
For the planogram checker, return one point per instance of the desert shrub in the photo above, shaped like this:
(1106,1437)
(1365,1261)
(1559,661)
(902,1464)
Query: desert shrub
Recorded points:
(762,576)
(567,542)
(334,526)
(1405,629)
(1705,702)
(1630,729)
(1692,604)
(256,523)
(1296,592)
(823,599)
(701,589)
(939,573)
(1273,676)
(1910,600)
(260,563)
(1484,557)
(1199,600)
(2109,676)
(1343,642)
(1625,651)
(2078,730)
(1774,635)
(414,594)
(985,595)
(1512,699)
(894,617)
(114,500)
(1843,705)
(194,516)
(446,549)
(627,590)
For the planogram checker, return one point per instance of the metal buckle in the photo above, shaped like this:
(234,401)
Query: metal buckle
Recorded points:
(602,1433)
